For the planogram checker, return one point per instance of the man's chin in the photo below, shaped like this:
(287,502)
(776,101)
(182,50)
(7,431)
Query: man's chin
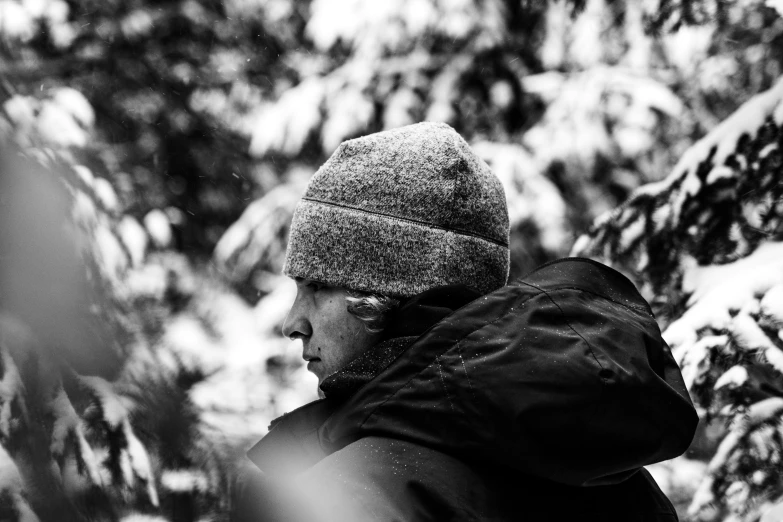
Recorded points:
(316,368)
(312,367)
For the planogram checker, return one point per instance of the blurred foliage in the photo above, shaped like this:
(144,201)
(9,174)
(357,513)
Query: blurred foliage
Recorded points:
(129,380)
(167,143)
(169,84)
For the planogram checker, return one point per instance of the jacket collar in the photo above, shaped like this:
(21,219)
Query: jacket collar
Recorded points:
(345,382)
(292,444)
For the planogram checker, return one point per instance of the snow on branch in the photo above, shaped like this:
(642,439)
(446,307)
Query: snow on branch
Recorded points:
(128,460)
(753,437)
(720,203)
(12,488)
(68,435)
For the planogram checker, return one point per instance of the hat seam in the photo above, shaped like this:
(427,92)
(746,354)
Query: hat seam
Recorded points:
(409,220)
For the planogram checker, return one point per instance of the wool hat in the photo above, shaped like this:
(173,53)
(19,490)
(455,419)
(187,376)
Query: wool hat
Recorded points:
(399,212)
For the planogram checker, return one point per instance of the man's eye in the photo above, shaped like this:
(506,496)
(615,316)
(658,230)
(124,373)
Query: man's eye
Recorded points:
(314,286)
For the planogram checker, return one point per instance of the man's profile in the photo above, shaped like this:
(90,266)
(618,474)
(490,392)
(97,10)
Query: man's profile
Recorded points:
(447,392)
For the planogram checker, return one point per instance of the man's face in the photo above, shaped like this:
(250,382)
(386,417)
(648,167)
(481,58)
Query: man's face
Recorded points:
(331,336)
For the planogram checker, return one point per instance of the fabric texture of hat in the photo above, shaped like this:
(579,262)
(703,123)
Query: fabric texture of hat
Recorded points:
(399,212)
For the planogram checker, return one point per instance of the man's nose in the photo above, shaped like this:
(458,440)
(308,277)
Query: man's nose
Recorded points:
(296,324)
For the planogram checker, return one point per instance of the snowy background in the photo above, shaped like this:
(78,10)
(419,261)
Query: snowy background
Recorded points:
(154,151)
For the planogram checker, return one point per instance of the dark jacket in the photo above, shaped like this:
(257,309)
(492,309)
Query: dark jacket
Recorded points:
(539,401)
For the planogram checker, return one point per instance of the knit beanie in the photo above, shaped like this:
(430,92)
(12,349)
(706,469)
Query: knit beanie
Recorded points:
(399,212)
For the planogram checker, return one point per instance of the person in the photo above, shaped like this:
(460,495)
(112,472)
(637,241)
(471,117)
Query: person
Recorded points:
(446,393)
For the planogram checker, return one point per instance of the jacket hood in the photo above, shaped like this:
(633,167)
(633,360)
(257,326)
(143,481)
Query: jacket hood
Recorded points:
(562,375)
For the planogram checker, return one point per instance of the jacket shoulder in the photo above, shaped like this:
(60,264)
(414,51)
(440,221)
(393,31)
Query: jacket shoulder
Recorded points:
(379,478)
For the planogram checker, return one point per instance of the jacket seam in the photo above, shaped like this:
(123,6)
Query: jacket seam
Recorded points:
(392,395)
(589,346)
(578,259)
(443,382)
(638,308)
(465,369)
(602,380)
(587,261)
